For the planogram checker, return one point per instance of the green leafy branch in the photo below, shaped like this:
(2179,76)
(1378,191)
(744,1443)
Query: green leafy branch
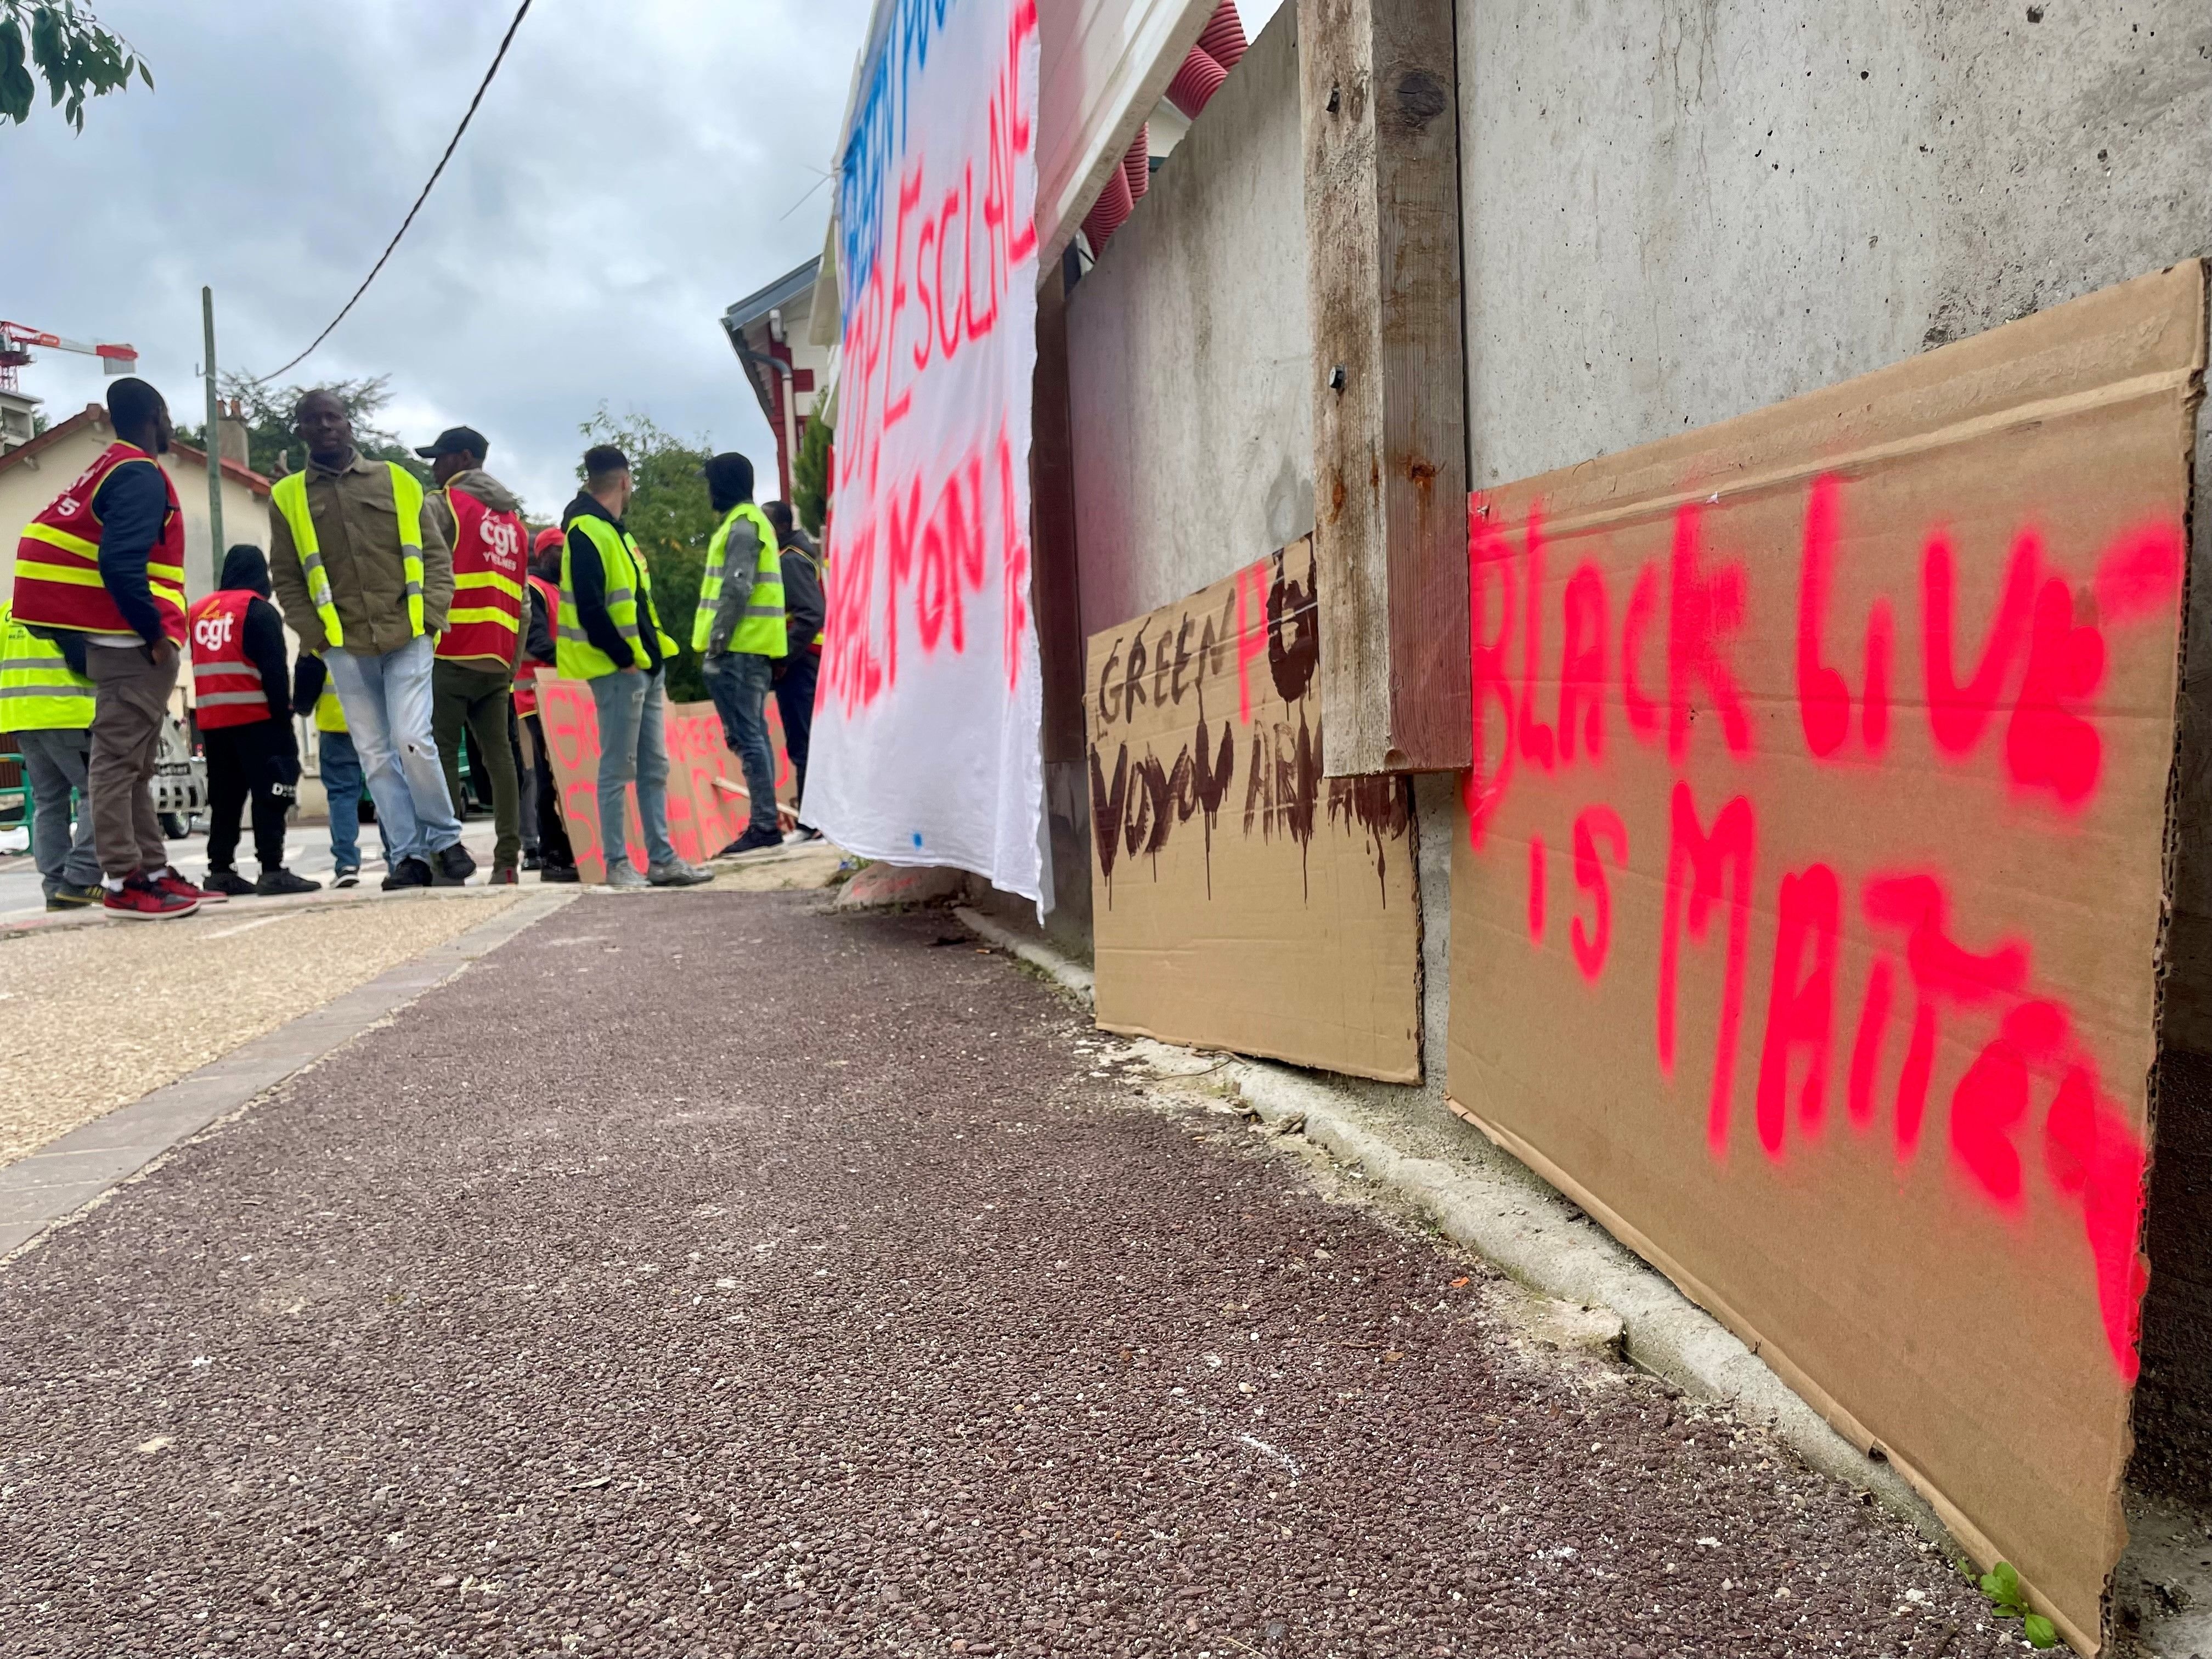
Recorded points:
(71,53)
(2009,1599)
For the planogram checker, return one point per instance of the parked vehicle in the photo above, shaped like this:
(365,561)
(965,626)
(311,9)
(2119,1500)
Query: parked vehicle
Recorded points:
(180,786)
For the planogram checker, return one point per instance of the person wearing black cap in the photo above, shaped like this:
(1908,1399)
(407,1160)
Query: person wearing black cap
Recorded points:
(738,630)
(609,632)
(472,681)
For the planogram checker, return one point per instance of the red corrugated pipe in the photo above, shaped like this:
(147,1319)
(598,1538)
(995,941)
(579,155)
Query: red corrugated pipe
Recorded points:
(1222,36)
(1196,82)
(1113,207)
(1136,165)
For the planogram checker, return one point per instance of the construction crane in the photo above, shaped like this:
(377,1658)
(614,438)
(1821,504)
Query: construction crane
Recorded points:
(16,341)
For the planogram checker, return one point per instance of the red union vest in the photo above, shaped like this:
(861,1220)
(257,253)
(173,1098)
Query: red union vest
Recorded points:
(547,596)
(58,561)
(226,689)
(489,568)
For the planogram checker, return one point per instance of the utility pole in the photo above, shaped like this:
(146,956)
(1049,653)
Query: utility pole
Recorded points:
(213,442)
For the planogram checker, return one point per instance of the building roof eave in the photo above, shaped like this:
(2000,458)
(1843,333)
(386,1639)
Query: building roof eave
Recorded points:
(780,292)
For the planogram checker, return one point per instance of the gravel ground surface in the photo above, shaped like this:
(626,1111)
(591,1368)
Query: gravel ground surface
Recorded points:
(91,1018)
(723,1277)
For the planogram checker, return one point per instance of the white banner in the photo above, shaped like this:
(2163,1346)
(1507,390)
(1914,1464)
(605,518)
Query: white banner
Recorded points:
(926,731)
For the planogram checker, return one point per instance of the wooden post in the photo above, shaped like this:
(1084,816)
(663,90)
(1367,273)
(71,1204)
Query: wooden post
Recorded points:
(1379,105)
(1055,594)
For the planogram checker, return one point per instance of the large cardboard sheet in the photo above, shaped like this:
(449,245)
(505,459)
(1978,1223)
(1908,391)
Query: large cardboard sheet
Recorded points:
(1806,924)
(1239,899)
(708,806)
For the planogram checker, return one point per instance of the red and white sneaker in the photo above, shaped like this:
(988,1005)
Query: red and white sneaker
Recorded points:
(141,900)
(166,879)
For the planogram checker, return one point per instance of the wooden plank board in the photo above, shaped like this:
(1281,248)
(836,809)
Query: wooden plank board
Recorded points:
(1378,91)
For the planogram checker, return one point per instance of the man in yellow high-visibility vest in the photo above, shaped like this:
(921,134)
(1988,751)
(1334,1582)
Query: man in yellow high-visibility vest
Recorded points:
(363,575)
(46,702)
(609,632)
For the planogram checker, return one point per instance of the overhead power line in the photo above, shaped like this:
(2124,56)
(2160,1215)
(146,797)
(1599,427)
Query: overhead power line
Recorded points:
(499,57)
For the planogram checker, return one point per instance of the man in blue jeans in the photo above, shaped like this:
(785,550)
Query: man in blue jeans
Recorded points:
(610,634)
(738,628)
(339,766)
(363,576)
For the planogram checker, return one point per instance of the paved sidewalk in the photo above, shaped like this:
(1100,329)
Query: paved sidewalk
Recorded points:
(720,1276)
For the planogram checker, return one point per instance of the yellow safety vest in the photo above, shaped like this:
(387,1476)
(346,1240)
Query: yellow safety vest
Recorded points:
(38,691)
(330,713)
(629,590)
(290,496)
(760,633)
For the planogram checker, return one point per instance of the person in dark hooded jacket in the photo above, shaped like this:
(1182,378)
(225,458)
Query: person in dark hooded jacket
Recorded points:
(253,754)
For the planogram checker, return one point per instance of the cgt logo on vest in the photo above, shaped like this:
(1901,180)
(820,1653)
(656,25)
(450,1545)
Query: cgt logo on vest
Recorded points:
(212,632)
(502,543)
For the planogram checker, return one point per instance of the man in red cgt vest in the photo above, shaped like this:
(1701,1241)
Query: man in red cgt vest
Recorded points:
(103,570)
(473,678)
(241,697)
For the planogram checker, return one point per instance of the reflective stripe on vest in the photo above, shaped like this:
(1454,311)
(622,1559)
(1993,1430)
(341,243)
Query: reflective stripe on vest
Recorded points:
(814,563)
(290,498)
(57,583)
(628,588)
(226,688)
(546,596)
(38,691)
(487,575)
(759,632)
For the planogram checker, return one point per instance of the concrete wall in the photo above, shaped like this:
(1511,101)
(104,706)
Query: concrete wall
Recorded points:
(1678,211)
(1188,356)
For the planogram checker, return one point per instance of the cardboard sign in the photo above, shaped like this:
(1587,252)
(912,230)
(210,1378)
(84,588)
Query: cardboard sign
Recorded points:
(707,807)
(926,740)
(1239,899)
(1807,923)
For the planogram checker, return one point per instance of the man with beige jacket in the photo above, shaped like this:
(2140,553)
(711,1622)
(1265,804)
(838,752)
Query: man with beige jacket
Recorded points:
(363,575)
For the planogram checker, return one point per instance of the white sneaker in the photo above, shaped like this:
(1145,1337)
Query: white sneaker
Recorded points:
(622,879)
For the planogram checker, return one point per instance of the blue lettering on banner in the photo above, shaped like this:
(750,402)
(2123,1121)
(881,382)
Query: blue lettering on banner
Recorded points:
(877,138)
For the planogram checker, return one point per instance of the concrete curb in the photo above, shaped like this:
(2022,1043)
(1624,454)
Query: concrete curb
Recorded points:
(1069,976)
(1523,1227)
(65,1176)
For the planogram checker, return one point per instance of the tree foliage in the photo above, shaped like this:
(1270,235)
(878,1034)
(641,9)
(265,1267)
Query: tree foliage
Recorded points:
(273,447)
(810,474)
(672,518)
(63,45)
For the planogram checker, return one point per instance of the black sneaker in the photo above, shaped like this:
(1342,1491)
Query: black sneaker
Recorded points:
(453,866)
(226,881)
(411,872)
(67,896)
(532,859)
(346,875)
(559,872)
(281,880)
(753,841)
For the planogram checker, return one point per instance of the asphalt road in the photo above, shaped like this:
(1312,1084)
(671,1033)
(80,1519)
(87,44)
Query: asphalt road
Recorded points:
(709,1275)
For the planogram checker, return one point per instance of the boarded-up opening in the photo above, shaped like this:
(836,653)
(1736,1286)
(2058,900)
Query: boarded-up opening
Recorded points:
(1241,899)
(1807,914)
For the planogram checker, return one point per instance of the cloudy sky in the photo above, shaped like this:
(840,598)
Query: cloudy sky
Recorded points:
(633,171)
